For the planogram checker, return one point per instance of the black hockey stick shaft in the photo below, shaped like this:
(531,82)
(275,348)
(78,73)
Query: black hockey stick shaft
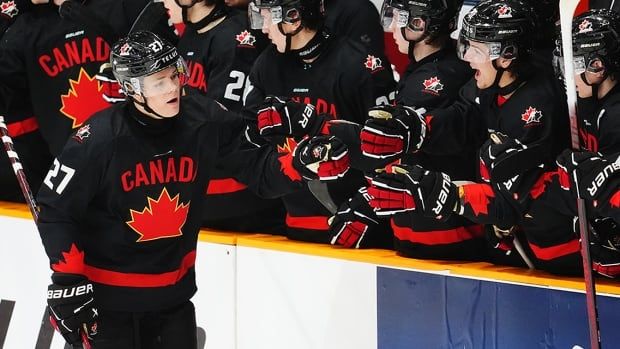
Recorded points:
(18,169)
(567,12)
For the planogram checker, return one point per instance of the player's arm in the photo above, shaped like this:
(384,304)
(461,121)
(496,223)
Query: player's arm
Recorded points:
(67,191)
(13,77)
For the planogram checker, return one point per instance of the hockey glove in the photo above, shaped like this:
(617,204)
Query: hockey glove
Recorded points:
(71,308)
(500,239)
(406,187)
(354,220)
(605,247)
(322,157)
(499,150)
(392,130)
(278,116)
(110,89)
(597,180)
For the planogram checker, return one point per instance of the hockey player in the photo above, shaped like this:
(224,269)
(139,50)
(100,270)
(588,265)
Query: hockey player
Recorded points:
(339,77)
(121,209)
(421,29)
(495,40)
(596,46)
(49,59)
(220,50)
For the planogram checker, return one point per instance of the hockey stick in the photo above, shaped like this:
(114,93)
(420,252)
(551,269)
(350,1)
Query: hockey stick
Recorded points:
(567,12)
(18,169)
(27,192)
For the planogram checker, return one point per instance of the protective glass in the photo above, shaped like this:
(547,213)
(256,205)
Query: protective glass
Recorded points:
(392,16)
(481,52)
(149,86)
(267,15)
(581,64)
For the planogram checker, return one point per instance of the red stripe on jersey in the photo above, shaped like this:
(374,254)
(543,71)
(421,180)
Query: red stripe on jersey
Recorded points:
(308,222)
(438,237)
(557,251)
(115,278)
(615,200)
(19,128)
(224,186)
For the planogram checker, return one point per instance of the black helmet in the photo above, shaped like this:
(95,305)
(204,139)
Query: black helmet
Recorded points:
(596,35)
(439,16)
(141,54)
(507,25)
(311,13)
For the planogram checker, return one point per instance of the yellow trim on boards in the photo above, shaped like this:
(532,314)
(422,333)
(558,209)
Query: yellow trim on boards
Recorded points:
(475,270)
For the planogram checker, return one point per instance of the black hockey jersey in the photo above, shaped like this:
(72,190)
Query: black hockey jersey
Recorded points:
(431,83)
(534,114)
(122,204)
(220,59)
(599,125)
(219,62)
(343,82)
(53,61)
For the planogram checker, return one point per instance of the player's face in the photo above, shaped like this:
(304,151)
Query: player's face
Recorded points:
(273,32)
(594,74)
(479,60)
(174,10)
(402,42)
(163,91)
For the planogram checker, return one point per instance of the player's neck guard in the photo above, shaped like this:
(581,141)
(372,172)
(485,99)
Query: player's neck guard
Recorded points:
(219,11)
(314,47)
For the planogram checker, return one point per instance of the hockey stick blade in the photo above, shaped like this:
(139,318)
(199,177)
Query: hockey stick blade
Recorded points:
(321,193)
(567,12)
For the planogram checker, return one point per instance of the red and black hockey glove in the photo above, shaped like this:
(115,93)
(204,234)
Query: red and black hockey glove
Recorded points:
(354,221)
(392,130)
(322,157)
(110,89)
(406,187)
(500,239)
(278,116)
(72,309)
(500,150)
(597,180)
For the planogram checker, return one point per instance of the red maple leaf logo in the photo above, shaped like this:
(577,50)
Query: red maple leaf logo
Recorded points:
(286,166)
(478,197)
(83,99)
(433,84)
(531,115)
(162,218)
(504,11)
(585,26)
(73,262)
(373,63)
(9,8)
(245,38)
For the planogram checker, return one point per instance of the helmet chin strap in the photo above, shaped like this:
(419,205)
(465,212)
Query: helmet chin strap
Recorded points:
(412,43)
(148,109)
(289,36)
(595,87)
